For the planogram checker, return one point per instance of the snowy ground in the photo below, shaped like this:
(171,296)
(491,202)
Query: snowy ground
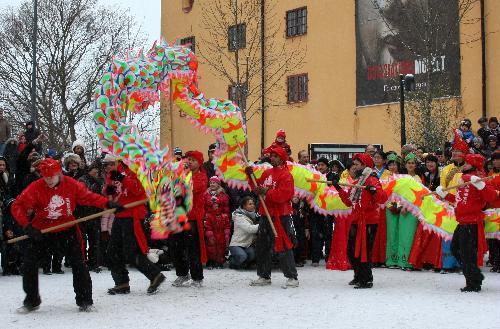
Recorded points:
(323,300)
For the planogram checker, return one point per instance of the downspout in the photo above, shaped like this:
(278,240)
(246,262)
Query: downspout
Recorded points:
(263,76)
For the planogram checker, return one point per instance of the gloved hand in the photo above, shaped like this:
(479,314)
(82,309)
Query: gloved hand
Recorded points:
(370,188)
(393,208)
(440,192)
(336,185)
(249,171)
(154,255)
(110,190)
(116,175)
(260,190)
(33,233)
(477,182)
(116,205)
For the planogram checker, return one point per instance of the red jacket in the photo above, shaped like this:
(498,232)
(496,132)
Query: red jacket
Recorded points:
(53,206)
(368,206)
(365,211)
(197,212)
(127,191)
(496,184)
(278,200)
(217,225)
(470,202)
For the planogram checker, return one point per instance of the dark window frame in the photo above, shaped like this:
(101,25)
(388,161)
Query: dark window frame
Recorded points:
(237,34)
(297,87)
(296,22)
(232,95)
(191,41)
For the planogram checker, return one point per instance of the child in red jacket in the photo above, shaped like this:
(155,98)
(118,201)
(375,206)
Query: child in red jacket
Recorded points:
(217,223)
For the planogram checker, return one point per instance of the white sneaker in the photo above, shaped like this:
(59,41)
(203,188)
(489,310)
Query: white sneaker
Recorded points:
(290,283)
(196,283)
(181,281)
(260,282)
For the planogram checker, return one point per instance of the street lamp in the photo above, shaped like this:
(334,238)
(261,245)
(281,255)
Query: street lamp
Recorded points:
(406,82)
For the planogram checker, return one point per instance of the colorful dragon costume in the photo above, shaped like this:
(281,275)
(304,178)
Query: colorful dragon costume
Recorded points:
(134,85)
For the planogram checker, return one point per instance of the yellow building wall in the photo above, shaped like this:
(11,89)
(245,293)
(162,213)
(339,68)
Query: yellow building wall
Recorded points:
(330,115)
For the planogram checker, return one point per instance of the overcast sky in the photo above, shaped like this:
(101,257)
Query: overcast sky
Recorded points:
(146,12)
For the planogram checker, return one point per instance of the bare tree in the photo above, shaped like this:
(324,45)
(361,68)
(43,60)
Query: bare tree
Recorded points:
(429,32)
(76,41)
(238,60)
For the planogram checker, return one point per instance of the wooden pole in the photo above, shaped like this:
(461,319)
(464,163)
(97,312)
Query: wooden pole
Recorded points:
(83,219)
(460,185)
(261,199)
(330,182)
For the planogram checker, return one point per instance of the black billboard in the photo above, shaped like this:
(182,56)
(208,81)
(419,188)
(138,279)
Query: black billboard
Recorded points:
(396,37)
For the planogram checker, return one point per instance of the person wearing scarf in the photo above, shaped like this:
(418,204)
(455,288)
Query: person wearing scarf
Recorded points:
(277,188)
(245,232)
(468,243)
(365,216)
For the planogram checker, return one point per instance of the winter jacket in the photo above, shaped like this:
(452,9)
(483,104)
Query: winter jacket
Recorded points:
(11,154)
(197,212)
(367,210)
(245,231)
(5,130)
(278,198)
(217,224)
(53,206)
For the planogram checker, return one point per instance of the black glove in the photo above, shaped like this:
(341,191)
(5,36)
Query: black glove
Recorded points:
(249,171)
(371,189)
(116,175)
(33,233)
(336,185)
(115,205)
(110,190)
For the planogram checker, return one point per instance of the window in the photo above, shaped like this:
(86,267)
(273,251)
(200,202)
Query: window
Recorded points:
(189,42)
(236,37)
(237,95)
(297,88)
(296,22)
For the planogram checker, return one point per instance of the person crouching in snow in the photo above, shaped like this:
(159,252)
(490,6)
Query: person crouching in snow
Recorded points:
(217,224)
(49,202)
(276,187)
(365,216)
(469,244)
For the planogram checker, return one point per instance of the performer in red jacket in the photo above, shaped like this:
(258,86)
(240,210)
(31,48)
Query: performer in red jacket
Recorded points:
(127,243)
(469,244)
(46,203)
(192,241)
(277,188)
(217,222)
(365,216)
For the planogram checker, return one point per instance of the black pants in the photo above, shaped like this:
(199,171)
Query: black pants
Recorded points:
(123,249)
(53,255)
(321,236)
(362,270)
(300,231)
(185,248)
(464,248)
(91,233)
(494,248)
(33,251)
(265,248)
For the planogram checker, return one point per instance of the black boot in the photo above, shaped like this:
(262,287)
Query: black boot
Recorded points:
(353,282)
(366,285)
(121,289)
(155,283)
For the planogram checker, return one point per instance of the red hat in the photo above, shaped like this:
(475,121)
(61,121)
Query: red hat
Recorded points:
(364,158)
(459,144)
(475,160)
(49,167)
(281,133)
(215,179)
(197,155)
(267,150)
(279,151)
